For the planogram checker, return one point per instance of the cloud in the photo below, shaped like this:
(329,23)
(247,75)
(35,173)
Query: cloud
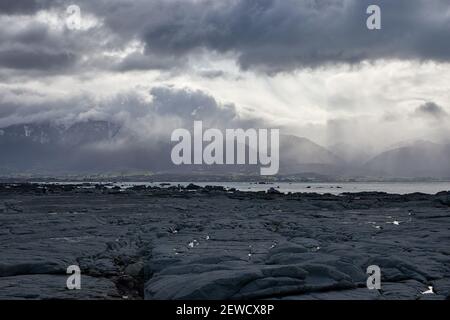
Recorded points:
(266,35)
(431,110)
(303,56)
(161,111)
(192,105)
(139,61)
(40,60)
(41,41)
(282,35)
(21,6)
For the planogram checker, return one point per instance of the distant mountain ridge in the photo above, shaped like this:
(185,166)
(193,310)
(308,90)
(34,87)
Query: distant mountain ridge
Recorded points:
(49,146)
(92,146)
(298,155)
(419,159)
(50,133)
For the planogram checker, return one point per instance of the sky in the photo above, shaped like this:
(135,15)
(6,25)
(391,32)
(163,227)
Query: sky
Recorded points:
(309,67)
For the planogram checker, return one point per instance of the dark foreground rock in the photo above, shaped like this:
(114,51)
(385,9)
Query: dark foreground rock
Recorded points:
(212,243)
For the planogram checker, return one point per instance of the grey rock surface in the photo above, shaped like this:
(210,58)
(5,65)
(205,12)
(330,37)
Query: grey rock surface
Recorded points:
(211,243)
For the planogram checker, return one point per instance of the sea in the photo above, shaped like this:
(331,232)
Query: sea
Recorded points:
(306,187)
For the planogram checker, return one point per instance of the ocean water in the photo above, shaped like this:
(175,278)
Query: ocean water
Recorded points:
(321,188)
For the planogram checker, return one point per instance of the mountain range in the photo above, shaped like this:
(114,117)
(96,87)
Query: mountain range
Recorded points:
(102,146)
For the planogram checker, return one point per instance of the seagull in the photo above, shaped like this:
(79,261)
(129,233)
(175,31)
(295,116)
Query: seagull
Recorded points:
(429,291)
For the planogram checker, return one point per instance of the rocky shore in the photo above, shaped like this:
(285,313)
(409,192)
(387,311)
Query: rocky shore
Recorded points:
(213,243)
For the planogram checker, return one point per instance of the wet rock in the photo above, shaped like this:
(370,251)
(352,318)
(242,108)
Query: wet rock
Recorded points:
(273,191)
(45,286)
(135,270)
(244,245)
(395,269)
(290,271)
(215,285)
(44,267)
(442,287)
(192,186)
(402,290)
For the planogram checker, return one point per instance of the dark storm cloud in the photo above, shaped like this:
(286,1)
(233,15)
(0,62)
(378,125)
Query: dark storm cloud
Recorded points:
(170,108)
(285,34)
(138,61)
(187,105)
(37,60)
(32,44)
(191,105)
(268,35)
(20,7)
(431,110)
